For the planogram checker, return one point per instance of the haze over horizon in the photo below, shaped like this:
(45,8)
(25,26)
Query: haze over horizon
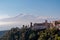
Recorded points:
(19,12)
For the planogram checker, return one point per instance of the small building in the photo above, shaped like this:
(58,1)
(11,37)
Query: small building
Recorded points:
(41,25)
(57,24)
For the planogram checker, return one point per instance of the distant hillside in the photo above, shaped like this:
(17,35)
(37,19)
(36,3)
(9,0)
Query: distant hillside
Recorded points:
(2,33)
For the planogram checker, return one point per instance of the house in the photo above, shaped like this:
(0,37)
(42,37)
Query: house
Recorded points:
(41,25)
(57,24)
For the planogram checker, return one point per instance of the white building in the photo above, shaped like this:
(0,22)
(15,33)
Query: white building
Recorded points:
(41,25)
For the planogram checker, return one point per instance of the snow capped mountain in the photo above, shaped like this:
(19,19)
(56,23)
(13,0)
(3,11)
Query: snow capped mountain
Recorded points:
(23,19)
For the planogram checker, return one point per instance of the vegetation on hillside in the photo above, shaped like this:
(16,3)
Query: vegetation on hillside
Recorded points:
(29,34)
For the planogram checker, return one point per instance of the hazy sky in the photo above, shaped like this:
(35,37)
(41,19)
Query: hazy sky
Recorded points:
(27,10)
(10,8)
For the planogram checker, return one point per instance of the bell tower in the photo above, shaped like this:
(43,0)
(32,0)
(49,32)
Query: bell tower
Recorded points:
(31,24)
(46,23)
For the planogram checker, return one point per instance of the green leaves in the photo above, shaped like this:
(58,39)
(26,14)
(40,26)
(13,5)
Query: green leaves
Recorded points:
(29,34)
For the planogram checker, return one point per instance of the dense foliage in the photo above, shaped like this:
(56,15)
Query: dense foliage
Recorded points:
(29,34)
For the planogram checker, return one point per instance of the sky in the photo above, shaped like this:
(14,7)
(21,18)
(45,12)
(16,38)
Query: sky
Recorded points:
(11,8)
(32,8)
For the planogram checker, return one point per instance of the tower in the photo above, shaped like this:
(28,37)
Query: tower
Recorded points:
(31,24)
(46,23)
(23,26)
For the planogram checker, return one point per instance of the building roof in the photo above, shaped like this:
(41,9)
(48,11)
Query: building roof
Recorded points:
(39,24)
(42,24)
